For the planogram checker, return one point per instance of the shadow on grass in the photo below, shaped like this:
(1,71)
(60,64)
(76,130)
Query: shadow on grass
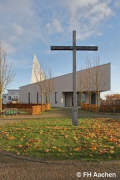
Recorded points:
(67,112)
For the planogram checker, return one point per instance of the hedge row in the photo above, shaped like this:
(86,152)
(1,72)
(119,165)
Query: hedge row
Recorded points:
(113,108)
(36,109)
(103,108)
(21,106)
(33,108)
(90,107)
(3,106)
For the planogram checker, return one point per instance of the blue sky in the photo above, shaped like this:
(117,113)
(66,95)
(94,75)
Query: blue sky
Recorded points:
(32,26)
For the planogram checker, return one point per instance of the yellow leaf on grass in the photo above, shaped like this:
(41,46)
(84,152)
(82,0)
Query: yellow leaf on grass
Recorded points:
(93,148)
(111,147)
(90,155)
(118,145)
(75,138)
(77,149)
(111,152)
(59,150)
(46,150)
(54,147)
(66,136)
(19,145)
(11,137)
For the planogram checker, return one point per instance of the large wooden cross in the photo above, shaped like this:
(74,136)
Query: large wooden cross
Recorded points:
(74,48)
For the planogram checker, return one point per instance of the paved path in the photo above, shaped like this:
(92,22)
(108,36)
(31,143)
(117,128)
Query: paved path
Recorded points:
(15,167)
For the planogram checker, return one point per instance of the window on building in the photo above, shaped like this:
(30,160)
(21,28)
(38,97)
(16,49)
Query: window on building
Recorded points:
(28,97)
(9,97)
(37,97)
(55,97)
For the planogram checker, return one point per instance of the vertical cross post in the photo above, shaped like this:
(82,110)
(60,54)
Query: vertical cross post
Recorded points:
(0,88)
(74,110)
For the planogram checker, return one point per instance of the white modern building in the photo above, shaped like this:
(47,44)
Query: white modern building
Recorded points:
(11,95)
(88,80)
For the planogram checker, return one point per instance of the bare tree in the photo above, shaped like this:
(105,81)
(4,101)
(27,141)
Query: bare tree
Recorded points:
(46,85)
(98,78)
(80,84)
(6,73)
(94,78)
(88,79)
(51,87)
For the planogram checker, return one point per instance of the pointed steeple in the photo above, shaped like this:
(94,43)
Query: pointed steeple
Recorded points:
(37,74)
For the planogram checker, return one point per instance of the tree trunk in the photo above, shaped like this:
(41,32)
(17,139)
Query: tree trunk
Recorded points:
(0,97)
(0,102)
(46,99)
(50,101)
(97,101)
(89,100)
(41,102)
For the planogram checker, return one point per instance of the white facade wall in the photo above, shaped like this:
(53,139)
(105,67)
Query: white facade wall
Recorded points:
(12,95)
(64,87)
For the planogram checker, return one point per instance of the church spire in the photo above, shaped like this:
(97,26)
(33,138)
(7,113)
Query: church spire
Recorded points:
(37,74)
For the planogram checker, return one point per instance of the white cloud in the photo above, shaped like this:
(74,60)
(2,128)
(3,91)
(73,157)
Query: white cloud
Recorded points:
(54,27)
(117,3)
(26,22)
(20,64)
(57,25)
(17,29)
(8,47)
(87,17)
(73,6)
(20,24)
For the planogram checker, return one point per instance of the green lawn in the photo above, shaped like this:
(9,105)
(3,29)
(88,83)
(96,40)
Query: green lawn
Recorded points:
(56,138)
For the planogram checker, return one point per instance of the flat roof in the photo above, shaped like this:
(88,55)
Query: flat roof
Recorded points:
(13,89)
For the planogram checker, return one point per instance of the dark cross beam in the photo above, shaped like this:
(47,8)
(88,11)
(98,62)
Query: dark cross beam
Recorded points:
(74,48)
